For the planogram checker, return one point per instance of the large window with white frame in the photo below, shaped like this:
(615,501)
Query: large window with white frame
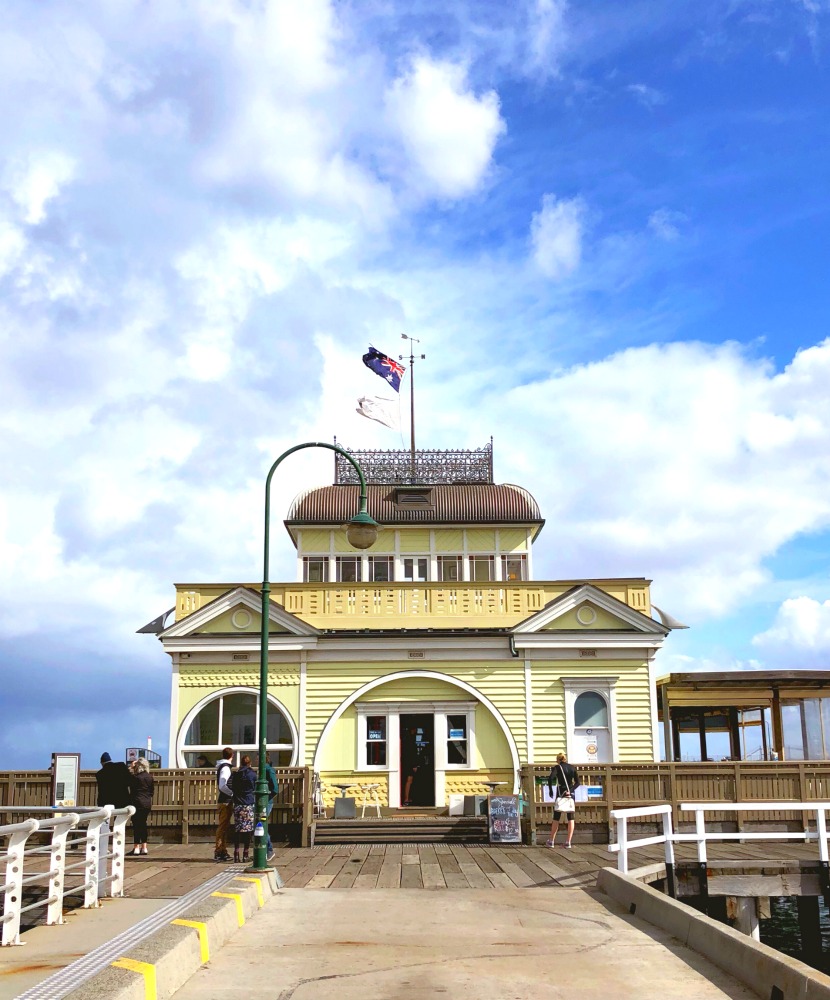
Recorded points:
(449,568)
(481,568)
(231,718)
(348,569)
(381,569)
(415,569)
(315,569)
(514,567)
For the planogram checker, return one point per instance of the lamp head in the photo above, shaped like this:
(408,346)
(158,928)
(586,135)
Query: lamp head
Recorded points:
(362,531)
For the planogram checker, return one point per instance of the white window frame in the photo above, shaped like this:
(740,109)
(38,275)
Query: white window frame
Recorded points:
(605,686)
(491,561)
(326,568)
(403,577)
(393,710)
(240,748)
(357,560)
(521,557)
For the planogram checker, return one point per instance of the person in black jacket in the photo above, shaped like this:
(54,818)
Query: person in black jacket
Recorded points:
(113,783)
(141,796)
(562,782)
(242,784)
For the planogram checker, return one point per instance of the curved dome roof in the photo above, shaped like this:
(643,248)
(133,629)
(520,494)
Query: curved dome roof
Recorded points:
(485,503)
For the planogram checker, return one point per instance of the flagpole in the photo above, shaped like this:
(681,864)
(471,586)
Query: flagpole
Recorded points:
(412,340)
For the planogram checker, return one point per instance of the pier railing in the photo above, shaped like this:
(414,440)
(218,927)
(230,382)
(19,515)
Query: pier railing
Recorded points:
(753,784)
(40,864)
(184,799)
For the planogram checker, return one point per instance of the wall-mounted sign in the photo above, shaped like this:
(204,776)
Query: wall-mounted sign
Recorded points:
(457,734)
(66,773)
(375,734)
(416,654)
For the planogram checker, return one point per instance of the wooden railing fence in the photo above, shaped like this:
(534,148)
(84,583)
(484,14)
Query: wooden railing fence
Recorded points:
(183,799)
(622,786)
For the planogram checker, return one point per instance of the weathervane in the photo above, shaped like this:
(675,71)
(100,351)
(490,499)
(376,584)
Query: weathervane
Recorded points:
(401,357)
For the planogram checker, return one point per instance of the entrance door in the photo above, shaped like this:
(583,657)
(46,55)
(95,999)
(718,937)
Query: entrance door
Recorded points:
(417,760)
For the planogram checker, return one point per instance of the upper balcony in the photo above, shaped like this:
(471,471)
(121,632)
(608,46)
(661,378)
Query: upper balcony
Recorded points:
(416,606)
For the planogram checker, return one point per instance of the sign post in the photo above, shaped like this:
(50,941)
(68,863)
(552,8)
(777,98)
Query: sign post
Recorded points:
(66,773)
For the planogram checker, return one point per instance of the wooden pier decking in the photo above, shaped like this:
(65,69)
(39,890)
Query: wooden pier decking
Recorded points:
(173,869)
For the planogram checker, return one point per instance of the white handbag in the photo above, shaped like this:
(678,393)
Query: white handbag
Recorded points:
(564,803)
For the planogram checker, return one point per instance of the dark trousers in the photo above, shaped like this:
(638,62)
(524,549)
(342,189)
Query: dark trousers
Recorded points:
(140,825)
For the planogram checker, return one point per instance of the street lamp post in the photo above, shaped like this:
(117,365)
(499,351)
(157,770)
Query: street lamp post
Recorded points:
(362,531)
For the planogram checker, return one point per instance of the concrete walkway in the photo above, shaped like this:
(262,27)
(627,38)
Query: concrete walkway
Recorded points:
(503,944)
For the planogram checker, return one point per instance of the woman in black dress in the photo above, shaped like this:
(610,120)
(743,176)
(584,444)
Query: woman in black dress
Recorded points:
(562,781)
(141,796)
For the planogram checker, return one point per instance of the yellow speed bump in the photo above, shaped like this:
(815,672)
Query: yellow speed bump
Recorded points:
(143,968)
(201,928)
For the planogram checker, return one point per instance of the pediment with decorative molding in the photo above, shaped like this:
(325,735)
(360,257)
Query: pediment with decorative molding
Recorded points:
(238,612)
(586,608)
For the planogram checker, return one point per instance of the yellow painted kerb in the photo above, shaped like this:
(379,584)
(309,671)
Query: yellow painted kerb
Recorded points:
(257,882)
(143,968)
(201,928)
(240,916)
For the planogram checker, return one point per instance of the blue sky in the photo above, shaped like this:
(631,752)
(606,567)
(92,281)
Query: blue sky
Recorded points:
(607,223)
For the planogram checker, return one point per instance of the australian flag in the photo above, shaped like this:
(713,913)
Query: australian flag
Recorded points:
(390,371)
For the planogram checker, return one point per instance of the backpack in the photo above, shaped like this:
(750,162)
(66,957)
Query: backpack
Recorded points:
(220,770)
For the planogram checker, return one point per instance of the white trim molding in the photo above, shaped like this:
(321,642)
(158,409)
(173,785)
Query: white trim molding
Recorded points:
(606,688)
(411,707)
(178,748)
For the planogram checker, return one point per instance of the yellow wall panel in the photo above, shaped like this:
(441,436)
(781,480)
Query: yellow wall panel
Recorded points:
(313,540)
(604,620)
(448,540)
(513,540)
(414,540)
(481,540)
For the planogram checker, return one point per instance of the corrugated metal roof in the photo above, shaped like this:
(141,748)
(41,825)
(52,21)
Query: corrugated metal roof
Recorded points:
(486,503)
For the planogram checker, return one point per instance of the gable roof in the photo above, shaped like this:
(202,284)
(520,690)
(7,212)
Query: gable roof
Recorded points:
(238,597)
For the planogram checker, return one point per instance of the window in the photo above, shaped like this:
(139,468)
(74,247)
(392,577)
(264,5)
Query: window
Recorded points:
(457,734)
(416,569)
(380,569)
(591,711)
(232,719)
(376,741)
(348,569)
(449,568)
(513,568)
(315,569)
(481,568)
(806,725)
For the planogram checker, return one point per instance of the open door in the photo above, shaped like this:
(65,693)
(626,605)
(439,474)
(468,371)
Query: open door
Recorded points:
(417,760)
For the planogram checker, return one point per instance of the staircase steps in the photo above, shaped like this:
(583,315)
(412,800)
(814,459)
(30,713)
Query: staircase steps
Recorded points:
(411,830)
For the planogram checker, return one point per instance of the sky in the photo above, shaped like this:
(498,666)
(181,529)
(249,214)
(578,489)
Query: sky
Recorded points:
(607,226)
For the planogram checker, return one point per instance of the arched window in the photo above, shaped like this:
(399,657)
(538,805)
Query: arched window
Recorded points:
(230,718)
(591,711)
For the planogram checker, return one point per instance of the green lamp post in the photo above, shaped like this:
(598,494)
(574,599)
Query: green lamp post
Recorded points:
(362,532)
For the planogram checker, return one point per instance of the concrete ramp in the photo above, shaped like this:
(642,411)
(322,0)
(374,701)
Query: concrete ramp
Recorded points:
(503,944)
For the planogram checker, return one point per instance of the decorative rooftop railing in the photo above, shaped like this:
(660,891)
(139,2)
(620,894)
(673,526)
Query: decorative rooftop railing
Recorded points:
(430,467)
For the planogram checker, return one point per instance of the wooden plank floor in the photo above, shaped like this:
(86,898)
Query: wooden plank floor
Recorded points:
(174,869)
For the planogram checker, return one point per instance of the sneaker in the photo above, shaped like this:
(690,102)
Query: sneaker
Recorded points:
(143,850)
(550,843)
(568,846)
(270,854)
(221,856)
(135,850)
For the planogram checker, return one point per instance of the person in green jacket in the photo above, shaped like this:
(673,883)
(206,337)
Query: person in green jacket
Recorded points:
(273,788)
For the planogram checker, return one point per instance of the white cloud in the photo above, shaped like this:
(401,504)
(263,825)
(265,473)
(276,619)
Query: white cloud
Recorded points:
(666,224)
(448,132)
(801,626)
(649,97)
(547,36)
(556,233)
(35,180)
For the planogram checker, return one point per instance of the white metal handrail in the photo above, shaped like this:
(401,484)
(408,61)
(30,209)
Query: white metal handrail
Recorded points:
(702,836)
(95,881)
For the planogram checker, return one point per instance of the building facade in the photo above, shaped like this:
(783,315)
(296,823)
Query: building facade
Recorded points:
(434,652)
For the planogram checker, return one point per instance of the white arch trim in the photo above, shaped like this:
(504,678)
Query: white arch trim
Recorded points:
(430,675)
(191,715)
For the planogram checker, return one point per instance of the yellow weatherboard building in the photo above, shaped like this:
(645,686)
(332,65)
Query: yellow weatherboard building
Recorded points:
(429,663)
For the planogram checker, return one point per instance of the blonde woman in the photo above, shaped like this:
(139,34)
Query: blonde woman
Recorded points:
(562,782)
(141,796)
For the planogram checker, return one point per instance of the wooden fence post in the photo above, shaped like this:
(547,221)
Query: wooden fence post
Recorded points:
(609,800)
(739,816)
(307,807)
(186,786)
(802,795)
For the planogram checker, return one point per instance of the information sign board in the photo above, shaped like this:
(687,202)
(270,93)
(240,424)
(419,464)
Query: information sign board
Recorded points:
(66,773)
(503,819)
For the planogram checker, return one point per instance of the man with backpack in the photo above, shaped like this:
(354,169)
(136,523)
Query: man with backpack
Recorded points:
(224,797)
